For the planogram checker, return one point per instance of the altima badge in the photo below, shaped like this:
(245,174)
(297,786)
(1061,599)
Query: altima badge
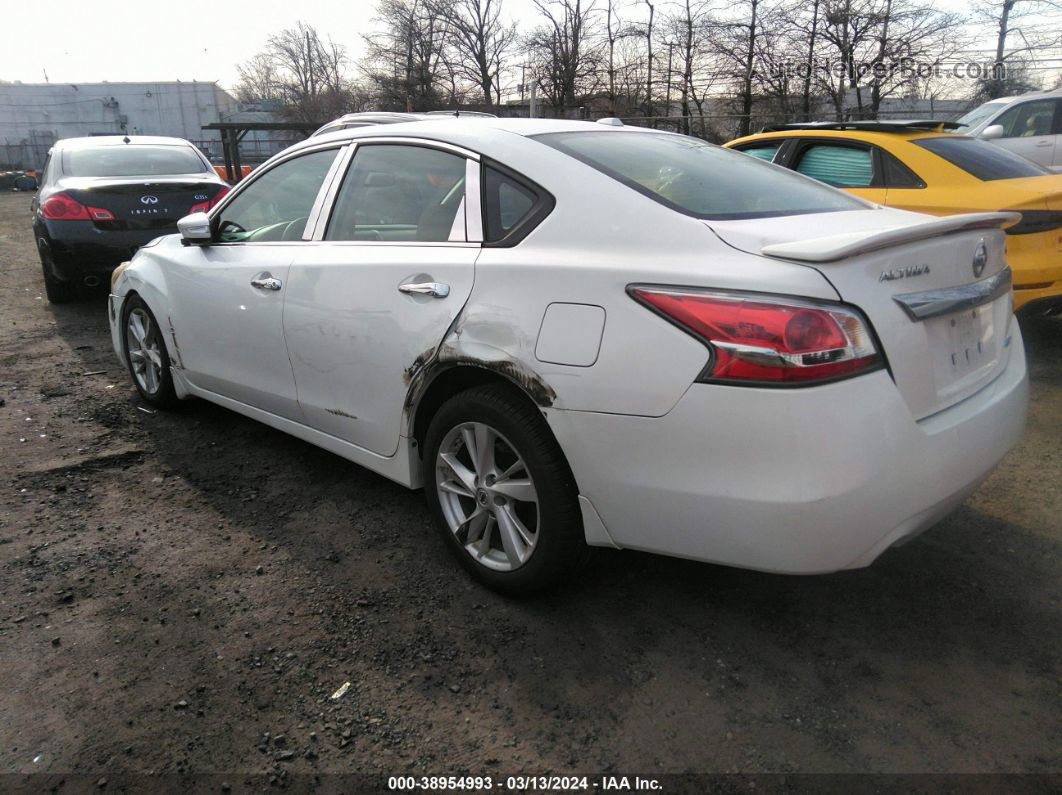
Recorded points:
(903,273)
(980,258)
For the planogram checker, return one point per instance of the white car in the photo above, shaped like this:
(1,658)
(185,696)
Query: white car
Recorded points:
(574,334)
(1029,125)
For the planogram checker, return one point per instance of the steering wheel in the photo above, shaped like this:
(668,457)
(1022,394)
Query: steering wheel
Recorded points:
(294,229)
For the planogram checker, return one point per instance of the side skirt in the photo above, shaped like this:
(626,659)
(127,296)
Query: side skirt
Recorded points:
(402,467)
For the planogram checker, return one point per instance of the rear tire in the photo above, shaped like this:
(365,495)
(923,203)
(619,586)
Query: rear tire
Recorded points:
(145,352)
(501,493)
(58,292)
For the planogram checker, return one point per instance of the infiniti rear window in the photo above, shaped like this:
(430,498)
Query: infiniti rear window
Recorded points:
(981,159)
(132,161)
(697,178)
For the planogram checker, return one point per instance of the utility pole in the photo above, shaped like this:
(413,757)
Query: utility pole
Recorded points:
(532,111)
(523,80)
(670,50)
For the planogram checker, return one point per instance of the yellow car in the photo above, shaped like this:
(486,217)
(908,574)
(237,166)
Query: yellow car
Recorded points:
(918,166)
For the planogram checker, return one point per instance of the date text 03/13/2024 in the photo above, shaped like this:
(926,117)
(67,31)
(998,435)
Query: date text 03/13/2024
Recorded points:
(525,783)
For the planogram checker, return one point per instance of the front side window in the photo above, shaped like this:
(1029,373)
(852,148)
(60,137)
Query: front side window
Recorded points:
(276,206)
(697,178)
(396,193)
(1029,119)
(840,166)
(132,160)
(981,159)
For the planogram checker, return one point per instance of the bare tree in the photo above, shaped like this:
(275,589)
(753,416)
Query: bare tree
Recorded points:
(689,25)
(258,81)
(306,73)
(479,40)
(563,48)
(1033,24)
(405,60)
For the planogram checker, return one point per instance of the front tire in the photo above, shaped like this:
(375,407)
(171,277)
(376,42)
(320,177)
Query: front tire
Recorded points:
(145,354)
(501,492)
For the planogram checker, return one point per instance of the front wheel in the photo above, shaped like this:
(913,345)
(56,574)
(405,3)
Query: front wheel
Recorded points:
(145,354)
(501,491)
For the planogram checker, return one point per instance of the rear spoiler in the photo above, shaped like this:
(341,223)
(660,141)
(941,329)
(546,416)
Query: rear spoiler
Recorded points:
(848,244)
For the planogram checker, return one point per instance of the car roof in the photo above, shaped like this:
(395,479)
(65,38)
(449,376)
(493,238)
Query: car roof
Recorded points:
(372,118)
(92,141)
(461,131)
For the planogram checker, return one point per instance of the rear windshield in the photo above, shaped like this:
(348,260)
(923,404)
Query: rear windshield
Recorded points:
(131,161)
(697,178)
(981,159)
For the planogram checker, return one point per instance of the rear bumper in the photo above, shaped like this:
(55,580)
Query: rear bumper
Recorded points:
(795,481)
(78,249)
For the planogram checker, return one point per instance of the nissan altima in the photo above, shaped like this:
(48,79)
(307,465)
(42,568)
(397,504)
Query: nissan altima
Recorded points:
(574,334)
(104,196)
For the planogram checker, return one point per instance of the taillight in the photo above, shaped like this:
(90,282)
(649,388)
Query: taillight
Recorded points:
(64,207)
(764,339)
(1035,221)
(203,207)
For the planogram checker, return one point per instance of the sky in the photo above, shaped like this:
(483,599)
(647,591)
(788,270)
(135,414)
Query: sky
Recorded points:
(81,41)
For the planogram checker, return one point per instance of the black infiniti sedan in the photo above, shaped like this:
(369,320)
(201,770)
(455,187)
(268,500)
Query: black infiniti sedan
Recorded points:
(101,198)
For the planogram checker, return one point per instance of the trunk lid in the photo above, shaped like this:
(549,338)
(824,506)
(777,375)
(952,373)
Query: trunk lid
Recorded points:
(141,204)
(943,324)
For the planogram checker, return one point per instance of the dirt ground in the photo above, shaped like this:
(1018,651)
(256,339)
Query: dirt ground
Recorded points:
(181,593)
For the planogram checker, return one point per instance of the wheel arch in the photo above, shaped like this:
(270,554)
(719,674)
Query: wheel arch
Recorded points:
(450,379)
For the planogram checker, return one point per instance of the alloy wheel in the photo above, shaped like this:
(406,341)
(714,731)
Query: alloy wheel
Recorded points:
(487,496)
(142,342)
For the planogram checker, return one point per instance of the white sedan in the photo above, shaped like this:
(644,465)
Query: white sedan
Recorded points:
(574,334)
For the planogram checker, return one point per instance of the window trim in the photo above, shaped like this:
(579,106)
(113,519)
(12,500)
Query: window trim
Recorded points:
(543,205)
(328,205)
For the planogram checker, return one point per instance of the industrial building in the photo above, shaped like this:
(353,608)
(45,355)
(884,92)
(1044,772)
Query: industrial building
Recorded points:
(35,115)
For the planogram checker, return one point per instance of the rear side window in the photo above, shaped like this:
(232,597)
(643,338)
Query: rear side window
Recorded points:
(132,161)
(840,166)
(980,159)
(761,151)
(697,178)
(512,206)
(897,175)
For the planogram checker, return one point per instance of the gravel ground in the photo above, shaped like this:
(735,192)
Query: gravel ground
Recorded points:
(182,593)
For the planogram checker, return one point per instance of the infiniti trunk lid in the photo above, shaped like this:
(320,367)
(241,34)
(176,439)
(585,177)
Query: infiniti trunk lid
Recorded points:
(145,203)
(944,324)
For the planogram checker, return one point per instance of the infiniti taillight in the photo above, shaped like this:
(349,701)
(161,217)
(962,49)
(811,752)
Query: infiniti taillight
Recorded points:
(206,206)
(765,339)
(64,207)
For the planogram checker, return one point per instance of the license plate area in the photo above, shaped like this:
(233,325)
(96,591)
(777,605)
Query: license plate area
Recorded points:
(966,347)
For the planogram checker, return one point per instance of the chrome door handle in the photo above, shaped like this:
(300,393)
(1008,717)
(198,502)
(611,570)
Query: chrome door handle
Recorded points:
(266,282)
(1045,143)
(435,289)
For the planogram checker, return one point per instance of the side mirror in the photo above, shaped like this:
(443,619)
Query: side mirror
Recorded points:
(991,132)
(195,229)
